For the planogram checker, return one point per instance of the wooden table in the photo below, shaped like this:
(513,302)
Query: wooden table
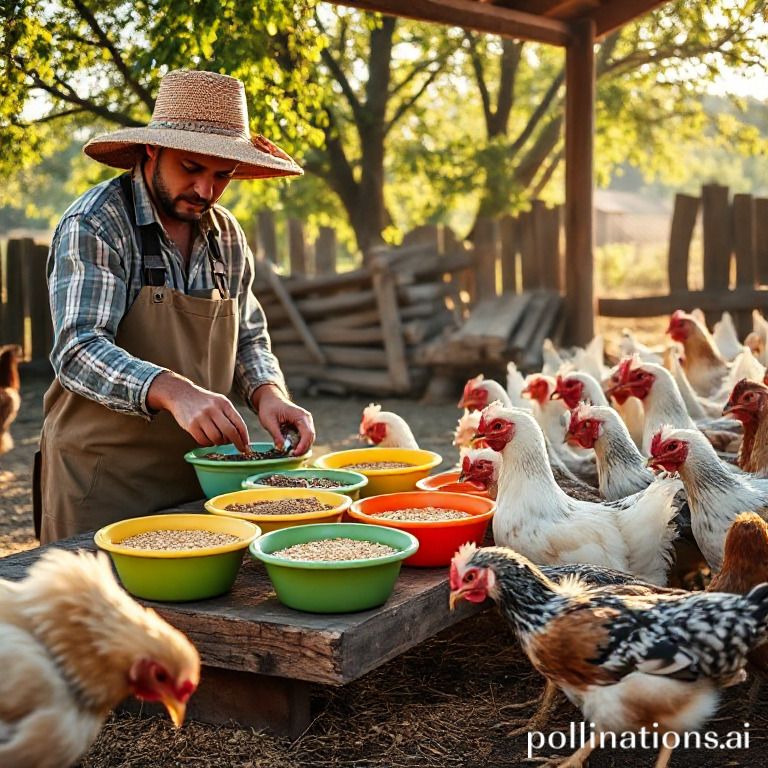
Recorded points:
(260,658)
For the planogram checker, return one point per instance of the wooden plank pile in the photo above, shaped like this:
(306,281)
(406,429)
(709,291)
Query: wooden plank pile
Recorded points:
(511,326)
(366,330)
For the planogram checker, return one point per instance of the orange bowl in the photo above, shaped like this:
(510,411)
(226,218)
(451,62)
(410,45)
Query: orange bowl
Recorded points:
(438,539)
(449,481)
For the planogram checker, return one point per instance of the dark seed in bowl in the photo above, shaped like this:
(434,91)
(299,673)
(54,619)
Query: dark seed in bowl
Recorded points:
(335,550)
(279,507)
(423,514)
(288,481)
(272,453)
(378,465)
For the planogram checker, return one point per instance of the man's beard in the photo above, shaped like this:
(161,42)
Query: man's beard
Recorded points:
(168,203)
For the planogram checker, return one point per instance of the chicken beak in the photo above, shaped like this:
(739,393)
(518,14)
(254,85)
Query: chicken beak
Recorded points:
(454,598)
(177,710)
(555,396)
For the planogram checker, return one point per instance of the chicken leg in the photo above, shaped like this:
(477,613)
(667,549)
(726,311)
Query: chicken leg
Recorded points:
(540,717)
(663,759)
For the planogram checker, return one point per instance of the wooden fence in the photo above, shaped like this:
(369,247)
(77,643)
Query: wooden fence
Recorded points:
(735,260)
(368,329)
(25,317)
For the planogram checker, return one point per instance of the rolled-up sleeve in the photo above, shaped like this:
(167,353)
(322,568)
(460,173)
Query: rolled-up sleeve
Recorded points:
(256,364)
(88,293)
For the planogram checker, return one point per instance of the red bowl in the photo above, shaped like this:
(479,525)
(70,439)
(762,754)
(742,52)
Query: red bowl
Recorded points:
(449,481)
(438,540)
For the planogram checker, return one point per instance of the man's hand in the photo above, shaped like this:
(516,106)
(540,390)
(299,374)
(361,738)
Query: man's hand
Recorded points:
(275,409)
(210,418)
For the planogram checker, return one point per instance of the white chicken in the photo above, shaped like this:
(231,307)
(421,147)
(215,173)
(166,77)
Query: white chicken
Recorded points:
(621,467)
(479,392)
(629,345)
(725,337)
(385,429)
(535,517)
(704,365)
(515,387)
(552,416)
(664,404)
(716,494)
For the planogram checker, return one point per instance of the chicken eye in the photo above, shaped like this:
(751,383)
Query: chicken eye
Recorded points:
(749,396)
(586,424)
(161,676)
(496,426)
(469,576)
(672,446)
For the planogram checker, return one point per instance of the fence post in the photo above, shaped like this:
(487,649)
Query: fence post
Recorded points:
(267,236)
(680,234)
(717,225)
(508,234)
(13,330)
(485,258)
(38,304)
(744,250)
(761,239)
(297,248)
(325,251)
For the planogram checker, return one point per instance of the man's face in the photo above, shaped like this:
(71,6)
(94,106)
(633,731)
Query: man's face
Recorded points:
(184,184)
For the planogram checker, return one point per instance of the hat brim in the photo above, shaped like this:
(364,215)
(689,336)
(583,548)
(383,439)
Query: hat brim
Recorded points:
(124,148)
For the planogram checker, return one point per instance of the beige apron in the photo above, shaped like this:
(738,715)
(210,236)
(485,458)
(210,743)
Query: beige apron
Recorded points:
(99,466)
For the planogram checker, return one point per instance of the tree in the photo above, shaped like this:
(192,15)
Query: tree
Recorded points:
(72,65)
(376,80)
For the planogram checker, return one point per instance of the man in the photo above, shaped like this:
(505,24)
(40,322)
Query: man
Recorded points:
(154,318)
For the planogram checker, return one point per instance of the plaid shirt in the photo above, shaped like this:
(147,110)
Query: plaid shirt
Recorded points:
(95,275)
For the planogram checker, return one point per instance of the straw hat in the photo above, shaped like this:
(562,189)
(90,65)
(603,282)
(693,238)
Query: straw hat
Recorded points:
(201,112)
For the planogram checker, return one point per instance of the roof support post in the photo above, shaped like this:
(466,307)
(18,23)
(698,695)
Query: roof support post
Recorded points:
(579,182)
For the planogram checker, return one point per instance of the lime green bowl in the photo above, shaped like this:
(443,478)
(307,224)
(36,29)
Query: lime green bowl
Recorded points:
(349,483)
(177,575)
(217,477)
(333,586)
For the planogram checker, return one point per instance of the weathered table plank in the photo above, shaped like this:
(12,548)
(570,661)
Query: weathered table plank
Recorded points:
(258,655)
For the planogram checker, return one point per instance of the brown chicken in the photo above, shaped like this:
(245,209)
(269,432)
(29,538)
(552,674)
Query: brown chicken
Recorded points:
(749,404)
(704,365)
(745,565)
(73,645)
(10,399)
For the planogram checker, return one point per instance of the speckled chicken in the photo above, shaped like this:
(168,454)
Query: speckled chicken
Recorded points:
(628,661)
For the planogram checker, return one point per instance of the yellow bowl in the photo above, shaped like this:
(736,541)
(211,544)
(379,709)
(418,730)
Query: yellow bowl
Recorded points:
(176,575)
(384,480)
(337,501)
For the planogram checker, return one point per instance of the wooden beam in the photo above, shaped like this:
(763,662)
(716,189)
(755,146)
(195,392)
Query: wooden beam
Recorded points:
(709,301)
(275,283)
(470,14)
(579,182)
(612,15)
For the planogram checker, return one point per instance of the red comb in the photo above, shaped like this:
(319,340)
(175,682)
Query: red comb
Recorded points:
(625,366)
(656,444)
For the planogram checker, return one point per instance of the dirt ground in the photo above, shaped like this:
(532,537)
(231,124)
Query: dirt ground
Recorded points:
(442,705)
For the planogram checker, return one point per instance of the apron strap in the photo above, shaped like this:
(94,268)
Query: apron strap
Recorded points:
(217,265)
(153,264)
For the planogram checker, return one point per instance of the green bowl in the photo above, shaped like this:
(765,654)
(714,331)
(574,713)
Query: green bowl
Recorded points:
(217,477)
(333,587)
(175,575)
(350,482)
